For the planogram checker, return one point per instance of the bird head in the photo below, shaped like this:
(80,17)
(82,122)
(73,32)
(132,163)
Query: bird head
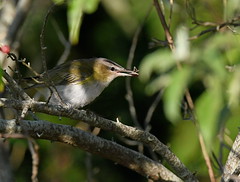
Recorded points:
(106,70)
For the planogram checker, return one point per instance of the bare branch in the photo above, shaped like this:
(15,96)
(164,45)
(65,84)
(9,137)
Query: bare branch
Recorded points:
(129,95)
(42,39)
(14,86)
(151,110)
(91,143)
(64,41)
(216,28)
(232,166)
(171,13)
(48,82)
(117,127)
(33,147)
(88,163)
(164,24)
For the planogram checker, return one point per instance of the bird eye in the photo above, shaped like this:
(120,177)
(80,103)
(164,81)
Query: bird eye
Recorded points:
(112,69)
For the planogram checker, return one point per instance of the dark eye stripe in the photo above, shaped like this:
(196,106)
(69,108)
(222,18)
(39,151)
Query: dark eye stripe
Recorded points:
(111,62)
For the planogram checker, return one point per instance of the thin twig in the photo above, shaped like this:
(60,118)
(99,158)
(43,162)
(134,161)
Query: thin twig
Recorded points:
(42,39)
(129,95)
(33,147)
(214,26)
(27,65)
(206,157)
(14,86)
(14,58)
(151,110)
(164,24)
(214,29)
(64,41)
(88,163)
(171,13)
(48,82)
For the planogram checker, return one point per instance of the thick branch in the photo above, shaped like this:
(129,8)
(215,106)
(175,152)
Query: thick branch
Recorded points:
(232,166)
(89,117)
(91,143)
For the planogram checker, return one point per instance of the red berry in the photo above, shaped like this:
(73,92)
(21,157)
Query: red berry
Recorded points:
(5,49)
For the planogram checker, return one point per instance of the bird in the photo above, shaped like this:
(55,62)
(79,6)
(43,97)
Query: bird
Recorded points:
(80,81)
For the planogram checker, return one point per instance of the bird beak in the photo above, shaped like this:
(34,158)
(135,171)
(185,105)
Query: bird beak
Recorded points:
(125,72)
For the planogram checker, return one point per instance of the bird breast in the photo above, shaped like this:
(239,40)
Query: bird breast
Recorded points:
(78,95)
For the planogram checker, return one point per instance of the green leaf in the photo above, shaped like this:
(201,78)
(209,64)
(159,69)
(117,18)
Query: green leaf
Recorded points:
(1,81)
(231,9)
(58,2)
(158,61)
(74,14)
(174,93)
(90,6)
(215,61)
(234,89)
(159,83)
(76,9)
(208,108)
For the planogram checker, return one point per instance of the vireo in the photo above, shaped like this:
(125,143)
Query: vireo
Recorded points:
(80,81)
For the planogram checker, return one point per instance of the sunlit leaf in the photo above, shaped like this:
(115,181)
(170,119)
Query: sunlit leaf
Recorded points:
(1,81)
(215,62)
(174,93)
(76,9)
(74,14)
(159,83)
(233,55)
(90,5)
(185,150)
(231,9)
(208,108)
(158,61)
(58,2)
(121,11)
(182,51)
(234,89)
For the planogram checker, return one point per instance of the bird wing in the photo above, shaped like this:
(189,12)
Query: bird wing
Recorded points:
(75,72)
(72,72)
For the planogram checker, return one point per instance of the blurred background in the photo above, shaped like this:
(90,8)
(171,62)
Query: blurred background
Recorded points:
(107,30)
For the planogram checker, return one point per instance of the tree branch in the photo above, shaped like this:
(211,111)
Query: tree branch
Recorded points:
(86,141)
(231,168)
(117,127)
